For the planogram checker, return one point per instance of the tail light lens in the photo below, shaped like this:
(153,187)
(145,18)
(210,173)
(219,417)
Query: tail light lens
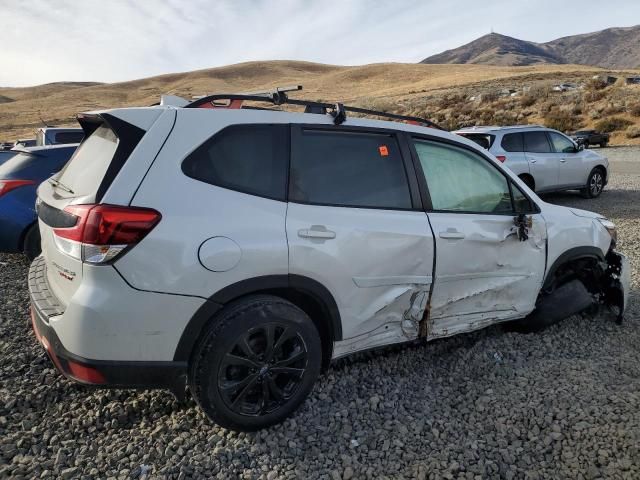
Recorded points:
(501,158)
(7,185)
(102,232)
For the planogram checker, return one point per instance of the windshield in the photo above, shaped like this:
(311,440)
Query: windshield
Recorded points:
(88,165)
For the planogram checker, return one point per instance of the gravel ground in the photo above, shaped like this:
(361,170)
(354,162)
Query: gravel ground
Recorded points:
(563,403)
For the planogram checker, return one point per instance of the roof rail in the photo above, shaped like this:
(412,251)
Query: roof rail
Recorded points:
(279,96)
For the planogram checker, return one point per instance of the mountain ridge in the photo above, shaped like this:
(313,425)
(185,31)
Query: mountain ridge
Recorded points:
(616,47)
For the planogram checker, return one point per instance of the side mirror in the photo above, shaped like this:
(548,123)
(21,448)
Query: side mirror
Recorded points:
(580,147)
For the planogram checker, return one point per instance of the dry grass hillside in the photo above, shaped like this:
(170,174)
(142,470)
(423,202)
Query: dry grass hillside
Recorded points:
(438,91)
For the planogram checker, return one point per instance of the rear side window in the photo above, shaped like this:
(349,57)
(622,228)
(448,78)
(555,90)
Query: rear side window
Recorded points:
(247,158)
(536,142)
(88,165)
(512,142)
(349,169)
(69,137)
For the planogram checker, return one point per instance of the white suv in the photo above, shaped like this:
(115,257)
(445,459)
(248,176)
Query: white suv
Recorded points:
(546,160)
(239,250)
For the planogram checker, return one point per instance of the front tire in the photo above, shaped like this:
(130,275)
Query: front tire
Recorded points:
(255,363)
(595,183)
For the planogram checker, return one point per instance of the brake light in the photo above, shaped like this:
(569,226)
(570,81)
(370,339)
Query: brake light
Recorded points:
(501,158)
(102,232)
(7,185)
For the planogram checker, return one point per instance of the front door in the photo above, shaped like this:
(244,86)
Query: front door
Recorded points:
(354,226)
(571,165)
(543,163)
(485,271)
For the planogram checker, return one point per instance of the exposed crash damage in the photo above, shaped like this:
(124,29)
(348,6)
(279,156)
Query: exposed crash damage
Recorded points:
(496,287)
(580,285)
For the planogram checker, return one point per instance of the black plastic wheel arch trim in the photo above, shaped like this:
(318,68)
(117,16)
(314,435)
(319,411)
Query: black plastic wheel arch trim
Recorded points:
(570,255)
(297,283)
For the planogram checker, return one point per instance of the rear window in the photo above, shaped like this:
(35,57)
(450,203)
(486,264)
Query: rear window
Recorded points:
(485,140)
(247,158)
(512,142)
(86,169)
(69,137)
(348,169)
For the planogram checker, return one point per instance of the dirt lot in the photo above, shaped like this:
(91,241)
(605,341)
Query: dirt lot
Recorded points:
(564,403)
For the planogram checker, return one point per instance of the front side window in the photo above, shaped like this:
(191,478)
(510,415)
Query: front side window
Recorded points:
(536,142)
(350,169)
(461,181)
(247,158)
(561,144)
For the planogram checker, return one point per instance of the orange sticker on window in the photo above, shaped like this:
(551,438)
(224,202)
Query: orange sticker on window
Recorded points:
(384,151)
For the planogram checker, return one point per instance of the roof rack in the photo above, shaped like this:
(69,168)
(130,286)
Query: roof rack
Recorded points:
(279,96)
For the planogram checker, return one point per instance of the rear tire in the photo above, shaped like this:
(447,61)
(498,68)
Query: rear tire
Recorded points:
(255,363)
(586,144)
(595,183)
(603,144)
(31,246)
(529,182)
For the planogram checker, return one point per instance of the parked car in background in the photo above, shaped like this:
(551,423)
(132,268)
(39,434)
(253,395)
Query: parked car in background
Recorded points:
(58,136)
(590,137)
(238,251)
(19,179)
(6,146)
(545,159)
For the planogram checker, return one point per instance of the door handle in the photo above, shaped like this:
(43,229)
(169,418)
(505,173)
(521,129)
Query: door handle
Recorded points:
(533,160)
(563,160)
(451,234)
(317,231)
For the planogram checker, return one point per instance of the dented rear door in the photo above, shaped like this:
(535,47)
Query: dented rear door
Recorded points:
(488,267)
(354,226)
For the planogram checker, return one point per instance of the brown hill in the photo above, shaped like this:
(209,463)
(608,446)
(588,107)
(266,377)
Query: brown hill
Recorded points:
(59,103)
(609,48)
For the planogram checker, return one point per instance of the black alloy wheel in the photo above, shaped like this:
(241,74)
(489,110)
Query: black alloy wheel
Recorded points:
(263,369)
(255,363)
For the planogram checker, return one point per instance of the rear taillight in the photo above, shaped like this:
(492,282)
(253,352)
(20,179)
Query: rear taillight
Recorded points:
(7,185)
(501,158)
(102,232)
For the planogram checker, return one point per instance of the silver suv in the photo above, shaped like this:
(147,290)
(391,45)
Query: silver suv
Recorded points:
(237,251)
(545,159)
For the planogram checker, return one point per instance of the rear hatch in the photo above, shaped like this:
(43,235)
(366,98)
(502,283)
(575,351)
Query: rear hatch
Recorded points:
(83,181)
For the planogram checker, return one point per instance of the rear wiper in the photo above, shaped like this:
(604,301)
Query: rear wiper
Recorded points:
(60,185)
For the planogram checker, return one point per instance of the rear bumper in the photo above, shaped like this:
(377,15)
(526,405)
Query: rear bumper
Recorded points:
(106,373)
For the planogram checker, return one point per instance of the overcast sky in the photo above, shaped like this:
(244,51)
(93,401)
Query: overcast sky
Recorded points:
(45,41)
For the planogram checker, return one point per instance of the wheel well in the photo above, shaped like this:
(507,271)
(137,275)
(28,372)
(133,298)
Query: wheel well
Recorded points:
(602,169)
(316,311)
(528,179)
(570,264)
(308,295)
